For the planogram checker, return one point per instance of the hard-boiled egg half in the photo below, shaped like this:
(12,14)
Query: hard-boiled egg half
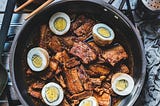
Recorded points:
(38,59)
(122,84)
(52,94)
(91,101)
(59,23)
(102,34)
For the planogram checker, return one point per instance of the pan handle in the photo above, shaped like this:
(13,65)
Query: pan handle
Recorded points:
(3,35)
(5,24)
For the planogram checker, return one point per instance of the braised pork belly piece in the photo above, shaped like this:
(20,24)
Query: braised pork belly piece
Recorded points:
(61,81)
(98,51)
(85,28)
(45,36)
(34,93)
(108,89)
(124,69)
(78,22)
(114,55)
(96,81)
(53,64)
(84,52)
(88,86)
(103,100)
(82,74)
(73,82)
(99,90)
(95,47)
(91,73)
(98,69)
(84,78)
(69,40)
(37,85)
(82,27)
(62,57)
(82,95)
(59,69)
(72,62)
(105,87)
(56,44)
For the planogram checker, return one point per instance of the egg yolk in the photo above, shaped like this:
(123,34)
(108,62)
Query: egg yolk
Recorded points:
(37,61)
(60,24)
(52,94)
(103,32)
(87,103)
(121,85)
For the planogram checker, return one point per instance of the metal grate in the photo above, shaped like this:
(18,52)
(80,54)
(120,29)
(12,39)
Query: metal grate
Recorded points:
(9,96)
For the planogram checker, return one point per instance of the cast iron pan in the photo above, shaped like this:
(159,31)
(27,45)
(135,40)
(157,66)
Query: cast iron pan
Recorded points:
(29,35)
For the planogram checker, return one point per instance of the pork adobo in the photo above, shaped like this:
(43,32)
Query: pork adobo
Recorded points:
(83,69)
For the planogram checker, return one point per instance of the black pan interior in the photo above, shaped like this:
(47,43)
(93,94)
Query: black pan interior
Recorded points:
(29,35)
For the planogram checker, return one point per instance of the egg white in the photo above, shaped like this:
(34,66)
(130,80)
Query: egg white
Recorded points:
(61,94)
(40,52)
(92,99)
(99,25)
(121,76)
(54,17)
